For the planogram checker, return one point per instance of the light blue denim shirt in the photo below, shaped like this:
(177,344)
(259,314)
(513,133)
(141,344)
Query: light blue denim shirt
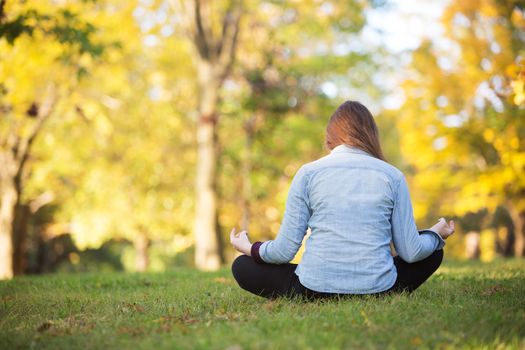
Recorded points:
(355,205)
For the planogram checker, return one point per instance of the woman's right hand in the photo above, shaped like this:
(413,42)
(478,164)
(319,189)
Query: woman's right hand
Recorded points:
(443,228)
(241,242)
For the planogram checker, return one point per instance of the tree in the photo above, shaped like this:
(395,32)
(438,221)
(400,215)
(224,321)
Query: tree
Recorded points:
(463,117)
(119,164)
(215,43)
(30,40)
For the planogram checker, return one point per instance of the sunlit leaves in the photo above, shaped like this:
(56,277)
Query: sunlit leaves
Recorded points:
(462,125)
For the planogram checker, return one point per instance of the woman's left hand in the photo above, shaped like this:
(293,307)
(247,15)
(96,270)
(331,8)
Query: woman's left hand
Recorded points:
(241,242)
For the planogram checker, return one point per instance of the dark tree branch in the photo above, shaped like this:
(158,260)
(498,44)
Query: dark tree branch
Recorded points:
(80,112)
(212,49)
(228,23)
(24,144)
(201,36)
(40,201)
(9,140)
(229,40)
(2,11)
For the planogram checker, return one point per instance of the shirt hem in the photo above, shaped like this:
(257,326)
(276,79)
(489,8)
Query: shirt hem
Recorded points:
(347,292)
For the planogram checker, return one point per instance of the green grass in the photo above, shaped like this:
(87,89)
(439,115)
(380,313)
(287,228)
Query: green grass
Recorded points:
(464,305)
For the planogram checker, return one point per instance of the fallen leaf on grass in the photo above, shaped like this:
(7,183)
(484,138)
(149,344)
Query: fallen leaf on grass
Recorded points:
(493,290)
(44,326)
(181,322)
(416,341)
(164,328)
(6,298)
(65,326)
(131,307)
(134,331)
(271,305)
(228,316)
(187,319)
(223,280)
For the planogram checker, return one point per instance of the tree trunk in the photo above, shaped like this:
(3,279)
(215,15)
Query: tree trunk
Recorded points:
(472,245)
(9,198)
(519,225)
(215,53)
(207,255)
(504,241)
(20,238)
(141,245)
(519,243)
(249,129)
(15,152)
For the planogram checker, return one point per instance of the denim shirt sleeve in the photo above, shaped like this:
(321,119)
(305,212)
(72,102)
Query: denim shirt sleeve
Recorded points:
(293,227)
(411,245)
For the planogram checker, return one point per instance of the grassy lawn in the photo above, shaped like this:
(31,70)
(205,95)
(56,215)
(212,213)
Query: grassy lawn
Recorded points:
(465,305)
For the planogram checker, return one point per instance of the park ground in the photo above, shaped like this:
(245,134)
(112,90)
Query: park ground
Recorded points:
(465,305)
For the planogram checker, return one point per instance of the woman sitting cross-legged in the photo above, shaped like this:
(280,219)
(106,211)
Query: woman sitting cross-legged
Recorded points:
(355,204)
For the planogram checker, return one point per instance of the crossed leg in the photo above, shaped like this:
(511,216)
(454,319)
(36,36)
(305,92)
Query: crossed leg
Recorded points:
(271,281)
(266,280)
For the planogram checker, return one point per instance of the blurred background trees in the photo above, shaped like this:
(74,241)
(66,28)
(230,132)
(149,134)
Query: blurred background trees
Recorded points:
(135,134)
(465,118)
(45,52)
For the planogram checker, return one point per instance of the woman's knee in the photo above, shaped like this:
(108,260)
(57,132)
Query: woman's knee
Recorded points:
(436,259)
(240,267)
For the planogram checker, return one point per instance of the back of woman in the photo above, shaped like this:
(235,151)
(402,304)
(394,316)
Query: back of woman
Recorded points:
(355,204)
(351,195)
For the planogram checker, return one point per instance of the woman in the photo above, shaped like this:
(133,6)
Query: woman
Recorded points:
(355,204)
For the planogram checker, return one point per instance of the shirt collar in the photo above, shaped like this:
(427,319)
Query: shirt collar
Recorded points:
(342,148)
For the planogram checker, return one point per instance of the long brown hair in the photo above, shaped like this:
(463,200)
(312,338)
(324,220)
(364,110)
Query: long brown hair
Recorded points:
(352,124)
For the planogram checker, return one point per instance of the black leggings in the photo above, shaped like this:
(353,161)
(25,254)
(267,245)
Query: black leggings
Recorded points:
(272,281)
